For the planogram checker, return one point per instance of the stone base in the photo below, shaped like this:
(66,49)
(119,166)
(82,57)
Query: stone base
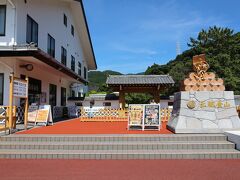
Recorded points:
(208,112)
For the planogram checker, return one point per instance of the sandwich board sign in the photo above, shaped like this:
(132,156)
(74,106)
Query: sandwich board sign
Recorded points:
(44,115)
(32,114)
(135,116)
(144,117)
(152,116)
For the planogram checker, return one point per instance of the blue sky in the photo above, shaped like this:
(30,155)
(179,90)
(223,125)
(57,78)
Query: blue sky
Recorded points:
(130,35)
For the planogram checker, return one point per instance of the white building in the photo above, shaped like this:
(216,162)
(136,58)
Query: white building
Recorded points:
(48,41)
(102,101)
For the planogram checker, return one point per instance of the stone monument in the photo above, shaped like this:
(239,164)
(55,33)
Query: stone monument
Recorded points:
(203,105)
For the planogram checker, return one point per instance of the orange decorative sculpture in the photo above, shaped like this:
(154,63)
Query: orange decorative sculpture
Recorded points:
(201,80)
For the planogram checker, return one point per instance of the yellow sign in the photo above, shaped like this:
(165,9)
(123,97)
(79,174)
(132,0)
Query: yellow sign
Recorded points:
(42,115)
(209,104)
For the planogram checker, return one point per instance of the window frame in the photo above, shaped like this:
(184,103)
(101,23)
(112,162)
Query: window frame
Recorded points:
(63,96)
(51,47)
(2,97)
(72,30)
(79,68)
(65,20)
(55,95)
(5,19)
(31,34)
(63,56)
(73,63)
(85,72)
(107,104)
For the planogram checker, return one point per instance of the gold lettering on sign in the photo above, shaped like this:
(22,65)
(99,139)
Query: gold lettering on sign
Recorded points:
(227,105)
(202,104)
(219,104)
(211,104)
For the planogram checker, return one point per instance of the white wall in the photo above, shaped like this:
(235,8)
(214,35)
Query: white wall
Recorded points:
(9,38)
(98,103)
(39,72)
(49,16)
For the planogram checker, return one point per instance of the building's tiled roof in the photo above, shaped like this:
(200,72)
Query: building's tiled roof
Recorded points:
(139,80)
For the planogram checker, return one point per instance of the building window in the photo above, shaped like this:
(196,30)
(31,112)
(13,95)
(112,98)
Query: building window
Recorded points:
(73,63)
(85,73)
(65,20)
(1,87)
(107,104)
(73,93)
(32,31)
(51,46)
(72,30)
(79,69)
(64,56)
(52,95)
(2,20)
(63,96)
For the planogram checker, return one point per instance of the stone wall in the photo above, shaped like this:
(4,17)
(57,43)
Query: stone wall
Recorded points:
(204,112)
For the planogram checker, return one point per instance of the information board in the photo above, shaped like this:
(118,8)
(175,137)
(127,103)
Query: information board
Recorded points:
(146,116)
(135,115)
(20,88)
(44,114)
(152,115)
(32,114)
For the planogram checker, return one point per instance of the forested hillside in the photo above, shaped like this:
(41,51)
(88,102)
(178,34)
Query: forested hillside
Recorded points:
(222,49)
(97,79)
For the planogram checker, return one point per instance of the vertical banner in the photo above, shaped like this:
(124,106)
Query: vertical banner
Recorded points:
(152,116)
(135,115)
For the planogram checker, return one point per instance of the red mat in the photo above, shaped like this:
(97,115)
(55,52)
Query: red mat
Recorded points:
(119,169)
(76,127)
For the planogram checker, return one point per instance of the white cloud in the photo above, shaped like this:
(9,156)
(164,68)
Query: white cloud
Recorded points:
(135,50)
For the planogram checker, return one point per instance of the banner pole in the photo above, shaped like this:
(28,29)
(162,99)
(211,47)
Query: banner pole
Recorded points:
(26,108)
(11,102)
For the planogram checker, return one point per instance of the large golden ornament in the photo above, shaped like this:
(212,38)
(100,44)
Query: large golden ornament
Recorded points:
(200,79)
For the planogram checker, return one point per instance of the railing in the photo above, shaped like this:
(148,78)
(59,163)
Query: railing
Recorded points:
(104,115)
(4,117)
(115,115)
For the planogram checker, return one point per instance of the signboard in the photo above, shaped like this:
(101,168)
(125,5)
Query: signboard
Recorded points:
(32,114)
(152,115)
(20,88)
(147,116)
(135,114)
(44,114)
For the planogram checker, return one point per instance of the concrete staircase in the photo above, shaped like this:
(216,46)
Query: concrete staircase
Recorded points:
(180,146)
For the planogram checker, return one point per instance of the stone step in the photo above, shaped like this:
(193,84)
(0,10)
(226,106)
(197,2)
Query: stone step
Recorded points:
(114,138)
(78,145)
(120,154)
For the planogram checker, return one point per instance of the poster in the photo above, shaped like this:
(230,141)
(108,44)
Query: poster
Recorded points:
(44,114)
(20,88)
(32,113)
(152,115)
(135,113)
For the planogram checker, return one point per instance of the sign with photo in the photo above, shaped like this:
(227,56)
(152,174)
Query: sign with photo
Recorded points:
(135,114)
(152,115)
(20,88)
